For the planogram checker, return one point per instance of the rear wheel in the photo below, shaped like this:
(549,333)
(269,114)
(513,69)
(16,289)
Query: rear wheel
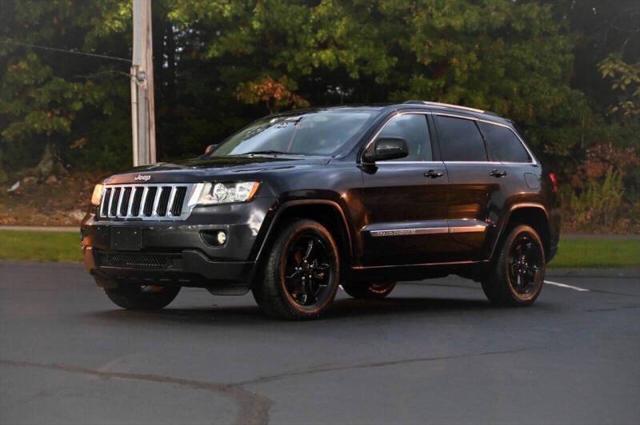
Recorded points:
(372,291)
(517,275)
(142,297)
(301,274)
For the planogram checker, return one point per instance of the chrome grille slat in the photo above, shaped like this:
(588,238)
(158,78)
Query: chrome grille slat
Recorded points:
(104,204)
(115,200)
(143,201)
(172,195)
(147,210)
(132,194)
(158,202)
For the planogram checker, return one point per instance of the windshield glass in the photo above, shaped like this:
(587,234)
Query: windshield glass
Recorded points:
(313,133)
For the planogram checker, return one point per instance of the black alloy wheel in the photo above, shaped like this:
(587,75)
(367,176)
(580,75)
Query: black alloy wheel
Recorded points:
(516,277)
(307,269)
(525,264)
(301,274)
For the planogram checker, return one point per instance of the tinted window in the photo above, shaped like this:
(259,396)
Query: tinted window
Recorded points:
(503,144)
(413,129)
(460,140)
(313,133)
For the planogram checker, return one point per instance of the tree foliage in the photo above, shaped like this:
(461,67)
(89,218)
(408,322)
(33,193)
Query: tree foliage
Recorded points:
(221,63)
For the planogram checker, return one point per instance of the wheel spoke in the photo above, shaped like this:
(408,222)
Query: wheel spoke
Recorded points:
(309,249)
(525,264)
(307,274)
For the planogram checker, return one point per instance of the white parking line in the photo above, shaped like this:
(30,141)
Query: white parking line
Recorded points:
(563,285)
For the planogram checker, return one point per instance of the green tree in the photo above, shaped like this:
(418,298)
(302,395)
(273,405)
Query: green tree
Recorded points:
(49,99)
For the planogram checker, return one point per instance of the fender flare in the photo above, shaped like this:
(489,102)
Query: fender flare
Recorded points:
(507,219)
(282,208)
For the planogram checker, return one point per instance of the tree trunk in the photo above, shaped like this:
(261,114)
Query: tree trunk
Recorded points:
(49,164)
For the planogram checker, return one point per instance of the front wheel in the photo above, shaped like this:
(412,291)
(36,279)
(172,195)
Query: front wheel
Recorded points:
(517,274)
(301,274)
(371,291)
(142,297)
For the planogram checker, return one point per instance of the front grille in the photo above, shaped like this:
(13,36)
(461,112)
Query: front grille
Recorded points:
(139,261)
(147,202)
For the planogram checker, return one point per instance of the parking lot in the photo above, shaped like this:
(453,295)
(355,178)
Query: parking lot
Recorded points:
(434,352)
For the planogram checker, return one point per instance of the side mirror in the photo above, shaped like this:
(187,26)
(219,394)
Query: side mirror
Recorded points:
(209,149)
(387,148)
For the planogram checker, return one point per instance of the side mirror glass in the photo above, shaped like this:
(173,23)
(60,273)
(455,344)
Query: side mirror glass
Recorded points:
(387,148)
(209,149)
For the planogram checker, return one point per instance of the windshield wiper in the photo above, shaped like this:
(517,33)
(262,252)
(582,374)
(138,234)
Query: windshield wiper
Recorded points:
(269,152)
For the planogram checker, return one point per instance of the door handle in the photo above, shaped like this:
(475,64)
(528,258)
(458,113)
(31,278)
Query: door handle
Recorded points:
(497,173)
(434,174)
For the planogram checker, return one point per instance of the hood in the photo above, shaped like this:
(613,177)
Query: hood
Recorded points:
(203,169)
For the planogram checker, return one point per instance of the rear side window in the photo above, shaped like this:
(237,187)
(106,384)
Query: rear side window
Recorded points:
(460,140)
(503,145)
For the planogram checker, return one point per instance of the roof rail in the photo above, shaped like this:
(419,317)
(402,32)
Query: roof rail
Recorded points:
(445,105)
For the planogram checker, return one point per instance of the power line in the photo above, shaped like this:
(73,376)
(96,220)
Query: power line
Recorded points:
(71,52)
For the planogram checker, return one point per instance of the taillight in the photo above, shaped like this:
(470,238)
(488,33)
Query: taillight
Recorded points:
(554,182)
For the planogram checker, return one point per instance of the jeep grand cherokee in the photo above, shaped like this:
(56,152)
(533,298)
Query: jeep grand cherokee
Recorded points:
(298,203)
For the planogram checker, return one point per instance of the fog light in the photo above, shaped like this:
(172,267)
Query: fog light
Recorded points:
(214,237)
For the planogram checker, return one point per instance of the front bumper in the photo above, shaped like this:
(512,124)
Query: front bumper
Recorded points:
(179,253)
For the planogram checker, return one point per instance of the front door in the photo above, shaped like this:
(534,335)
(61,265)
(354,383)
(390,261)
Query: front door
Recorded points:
(404,201)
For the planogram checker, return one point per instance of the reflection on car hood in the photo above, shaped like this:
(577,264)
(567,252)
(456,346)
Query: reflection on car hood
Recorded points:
(197,169)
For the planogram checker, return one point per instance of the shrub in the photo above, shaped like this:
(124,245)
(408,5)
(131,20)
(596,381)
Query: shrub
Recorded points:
(600,203)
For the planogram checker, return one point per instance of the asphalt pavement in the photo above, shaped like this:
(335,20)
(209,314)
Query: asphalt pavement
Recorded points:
(434,352)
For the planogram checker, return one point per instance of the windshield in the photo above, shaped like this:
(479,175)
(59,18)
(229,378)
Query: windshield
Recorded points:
(313,133)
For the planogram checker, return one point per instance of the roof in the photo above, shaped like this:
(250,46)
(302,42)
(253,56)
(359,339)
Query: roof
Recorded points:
(410,104)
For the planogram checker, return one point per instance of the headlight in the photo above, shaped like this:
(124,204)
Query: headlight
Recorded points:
(225,193)
(96,197)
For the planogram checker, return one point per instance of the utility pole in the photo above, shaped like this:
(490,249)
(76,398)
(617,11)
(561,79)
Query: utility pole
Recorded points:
(142,102)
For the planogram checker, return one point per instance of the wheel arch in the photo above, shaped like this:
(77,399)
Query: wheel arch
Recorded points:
(531,214)
(327,212)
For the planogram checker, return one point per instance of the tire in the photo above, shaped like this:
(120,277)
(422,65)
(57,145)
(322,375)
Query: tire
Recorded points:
(142,297)
(301,273)
(516,276)
(371,291)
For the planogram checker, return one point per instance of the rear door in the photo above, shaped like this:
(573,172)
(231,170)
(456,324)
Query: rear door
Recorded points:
(404,200)
(475,197)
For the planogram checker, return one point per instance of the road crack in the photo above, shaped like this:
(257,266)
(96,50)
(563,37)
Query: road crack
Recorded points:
(252,408)
(327,369)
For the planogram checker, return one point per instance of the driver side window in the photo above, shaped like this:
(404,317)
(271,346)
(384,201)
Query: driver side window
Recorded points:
(412,128)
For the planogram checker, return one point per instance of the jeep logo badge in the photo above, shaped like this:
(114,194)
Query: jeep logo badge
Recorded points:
(142,177)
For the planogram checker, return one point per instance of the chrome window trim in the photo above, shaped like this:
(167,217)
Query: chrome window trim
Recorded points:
(534,160)
(408,162)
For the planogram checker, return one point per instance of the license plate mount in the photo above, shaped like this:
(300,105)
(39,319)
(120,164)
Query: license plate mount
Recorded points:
(126,239)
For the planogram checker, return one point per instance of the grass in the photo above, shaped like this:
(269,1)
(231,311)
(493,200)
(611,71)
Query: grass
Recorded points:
(597,253)
(40,246)
(53,246)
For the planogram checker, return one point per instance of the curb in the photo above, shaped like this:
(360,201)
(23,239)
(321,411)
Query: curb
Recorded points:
(620,273)
(58,229)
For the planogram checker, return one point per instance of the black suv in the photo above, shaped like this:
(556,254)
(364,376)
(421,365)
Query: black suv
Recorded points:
(298,203)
